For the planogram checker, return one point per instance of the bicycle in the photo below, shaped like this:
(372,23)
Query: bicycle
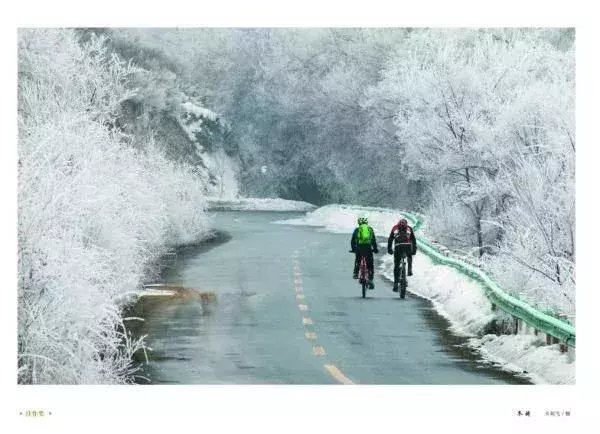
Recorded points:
(403,282)
(402,266)
(363,275)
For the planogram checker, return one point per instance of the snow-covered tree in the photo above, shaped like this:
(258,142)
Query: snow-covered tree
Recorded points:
(485,118)
(93,211)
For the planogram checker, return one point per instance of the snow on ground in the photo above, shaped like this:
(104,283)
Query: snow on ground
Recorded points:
(527,354)
(257,204)
(224,171)
(342,219)
(150,292)
(199,112)
(455,296)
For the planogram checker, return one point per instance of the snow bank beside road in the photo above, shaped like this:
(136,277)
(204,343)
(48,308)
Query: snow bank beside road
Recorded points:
(528,355)
(257,204)
(455,296)
(342,218)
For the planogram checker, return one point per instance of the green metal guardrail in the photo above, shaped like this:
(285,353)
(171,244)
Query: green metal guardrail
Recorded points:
(541,321)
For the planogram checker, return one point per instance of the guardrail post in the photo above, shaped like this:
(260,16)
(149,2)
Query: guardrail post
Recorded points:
(563,345)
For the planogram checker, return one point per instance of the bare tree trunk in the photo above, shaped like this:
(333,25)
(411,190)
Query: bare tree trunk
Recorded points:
(477,214)
(479,234)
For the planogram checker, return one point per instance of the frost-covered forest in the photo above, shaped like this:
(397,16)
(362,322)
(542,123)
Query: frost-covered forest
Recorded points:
(123,133)
(98,204)
(475,128)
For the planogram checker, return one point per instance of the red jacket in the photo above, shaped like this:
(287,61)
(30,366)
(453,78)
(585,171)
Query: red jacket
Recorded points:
(411,235)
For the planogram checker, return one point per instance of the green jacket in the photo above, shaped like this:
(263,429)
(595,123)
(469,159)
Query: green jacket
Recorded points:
(354,240)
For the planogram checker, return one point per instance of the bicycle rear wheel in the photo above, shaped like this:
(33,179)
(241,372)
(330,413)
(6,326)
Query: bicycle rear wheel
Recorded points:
(363,276)
(402,291)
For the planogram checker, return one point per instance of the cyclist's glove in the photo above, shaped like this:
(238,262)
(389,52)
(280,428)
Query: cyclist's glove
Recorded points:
(376,251)
(390,252)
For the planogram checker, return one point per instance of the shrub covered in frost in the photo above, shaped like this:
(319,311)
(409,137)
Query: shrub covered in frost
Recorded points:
(92,211)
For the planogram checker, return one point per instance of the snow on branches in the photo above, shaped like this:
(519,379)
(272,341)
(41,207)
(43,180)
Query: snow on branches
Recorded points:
(93,211)
(486,119)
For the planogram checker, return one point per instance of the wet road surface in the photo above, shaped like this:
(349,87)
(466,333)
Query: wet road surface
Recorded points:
(288,312)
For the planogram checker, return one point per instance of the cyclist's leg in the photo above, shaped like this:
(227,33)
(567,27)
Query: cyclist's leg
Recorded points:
(409,260)
(356,264)
(370,268)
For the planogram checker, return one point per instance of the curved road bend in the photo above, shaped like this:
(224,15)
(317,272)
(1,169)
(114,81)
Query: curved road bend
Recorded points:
(288,312)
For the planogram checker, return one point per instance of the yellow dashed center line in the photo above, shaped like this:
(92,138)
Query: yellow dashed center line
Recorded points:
(338,375)
(317,350)
(311,336)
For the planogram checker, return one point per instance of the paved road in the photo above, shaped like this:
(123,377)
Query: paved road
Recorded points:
(288,312)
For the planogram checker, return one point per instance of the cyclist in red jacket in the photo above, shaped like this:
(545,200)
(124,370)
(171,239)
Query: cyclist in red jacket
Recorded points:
(405,243)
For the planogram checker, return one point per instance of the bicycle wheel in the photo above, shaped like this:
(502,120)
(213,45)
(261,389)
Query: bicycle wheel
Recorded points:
(402,291)
(362,277)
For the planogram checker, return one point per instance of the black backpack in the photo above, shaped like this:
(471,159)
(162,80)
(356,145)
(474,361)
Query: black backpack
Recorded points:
(402,236)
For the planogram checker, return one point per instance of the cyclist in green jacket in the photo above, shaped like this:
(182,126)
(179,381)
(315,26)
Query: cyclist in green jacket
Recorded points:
(364,243)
